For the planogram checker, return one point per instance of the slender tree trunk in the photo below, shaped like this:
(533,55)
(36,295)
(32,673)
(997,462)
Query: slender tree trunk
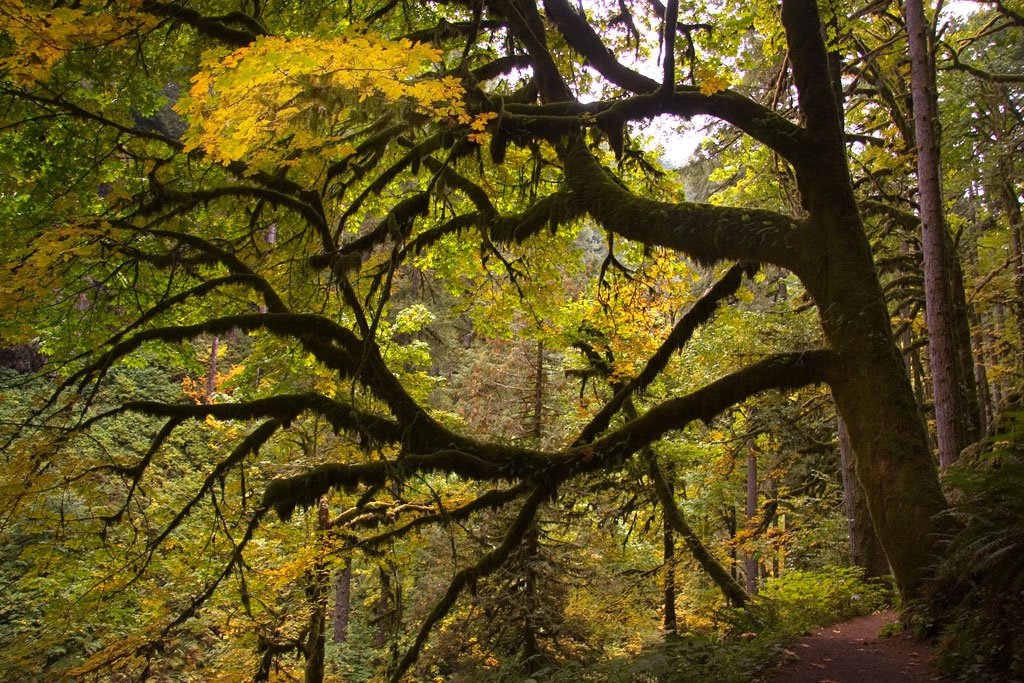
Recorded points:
(531,647)
(730,528)
(865,550)
(380,636)
(732,591)
(211,368)
(726,581)
(956,427)
(997,332)
(669,559)
(981,372)
(978,342)
(342,581)
(538,395)
(750,559)
(1011,207)
(316,637)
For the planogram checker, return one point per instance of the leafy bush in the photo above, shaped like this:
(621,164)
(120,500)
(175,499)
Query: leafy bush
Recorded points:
(753,638)
(805,599)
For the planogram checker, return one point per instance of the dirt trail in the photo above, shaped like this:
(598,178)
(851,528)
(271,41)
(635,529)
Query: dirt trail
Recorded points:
(852,652)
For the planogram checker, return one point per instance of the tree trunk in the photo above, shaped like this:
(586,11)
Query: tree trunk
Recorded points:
(538,396)
(384,608)
(669,559)
(955,425)
(1011,207)
(750,559)
(872,392)
(211,368)
(978,344)
(725,581)
(316,642)
(865,550)
(531,647)
(342,581)
(316,637)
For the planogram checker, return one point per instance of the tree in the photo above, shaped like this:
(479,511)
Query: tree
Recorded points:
(362,145)
(949,352)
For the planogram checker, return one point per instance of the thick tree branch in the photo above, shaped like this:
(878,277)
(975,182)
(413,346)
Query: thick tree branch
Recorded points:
(781,371)
(585,40)
(212,27)
(704,232)
(186,201)
(493,462)
(699,313)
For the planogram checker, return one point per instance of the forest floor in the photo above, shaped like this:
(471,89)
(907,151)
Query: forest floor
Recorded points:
(853,652)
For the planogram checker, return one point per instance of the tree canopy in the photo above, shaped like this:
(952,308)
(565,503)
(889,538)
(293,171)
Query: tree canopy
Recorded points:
(345,195)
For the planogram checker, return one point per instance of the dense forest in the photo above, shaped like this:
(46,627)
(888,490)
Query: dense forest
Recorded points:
(465,340)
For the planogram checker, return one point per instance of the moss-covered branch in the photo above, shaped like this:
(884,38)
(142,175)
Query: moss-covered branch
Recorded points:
(704,232)
(490,500)
(218,28)
(781,371)
(304,490)
(699,313)
(470,575)
(493,462)
(183,202)
(728,585)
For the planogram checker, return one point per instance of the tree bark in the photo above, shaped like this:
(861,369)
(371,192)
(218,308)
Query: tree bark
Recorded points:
(211,368)
(871,389)
(956,425)
(865,550)
(1011,207)
(316,591)
(342,581)
(532,655)
(669,559)
(750,557)
(538,396)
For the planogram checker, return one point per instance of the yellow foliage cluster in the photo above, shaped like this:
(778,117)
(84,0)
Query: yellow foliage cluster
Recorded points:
(280,101)
(30,280)
(710,80)
(42,37)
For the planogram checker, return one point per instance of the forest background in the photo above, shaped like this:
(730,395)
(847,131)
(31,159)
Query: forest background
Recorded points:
(361,341)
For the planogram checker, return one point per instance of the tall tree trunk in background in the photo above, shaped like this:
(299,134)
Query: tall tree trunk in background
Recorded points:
(956,424)
(985,412)
(865,550)
(380,636)
(997,333)
(979,342)
(1011,207)
(532,655)
(316,637)
(750,560)
(538,395)
(342,581)
(211,368)
(669,557)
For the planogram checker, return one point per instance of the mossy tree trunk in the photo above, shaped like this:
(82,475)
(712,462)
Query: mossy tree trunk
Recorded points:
(865,550)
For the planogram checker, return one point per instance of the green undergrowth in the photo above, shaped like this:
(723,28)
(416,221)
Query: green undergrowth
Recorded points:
(982,639)
(745,643)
